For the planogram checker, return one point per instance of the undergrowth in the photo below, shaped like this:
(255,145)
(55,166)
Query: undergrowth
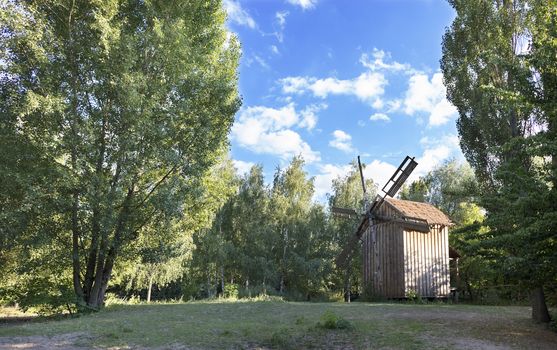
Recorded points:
(330,320)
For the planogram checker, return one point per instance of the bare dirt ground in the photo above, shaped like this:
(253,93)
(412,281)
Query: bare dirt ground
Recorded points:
(62,341)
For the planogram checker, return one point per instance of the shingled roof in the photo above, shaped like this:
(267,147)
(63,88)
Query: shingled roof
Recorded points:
(420,210)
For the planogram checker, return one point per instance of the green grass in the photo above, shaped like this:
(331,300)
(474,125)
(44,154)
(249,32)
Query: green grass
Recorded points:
(286,325)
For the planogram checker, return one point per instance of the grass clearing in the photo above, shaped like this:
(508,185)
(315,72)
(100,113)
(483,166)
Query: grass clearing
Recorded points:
(288,325)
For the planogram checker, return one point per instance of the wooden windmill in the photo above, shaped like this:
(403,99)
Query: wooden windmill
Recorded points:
(371,217)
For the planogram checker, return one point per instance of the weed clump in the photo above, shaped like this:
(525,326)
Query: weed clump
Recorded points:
(413,297)
(282,339)
(330,320)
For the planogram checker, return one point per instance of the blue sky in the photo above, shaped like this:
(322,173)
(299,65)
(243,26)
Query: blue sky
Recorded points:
(333,79)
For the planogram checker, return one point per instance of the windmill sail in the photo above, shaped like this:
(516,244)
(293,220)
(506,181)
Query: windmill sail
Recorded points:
(362,177)
(399,177)
(343,212)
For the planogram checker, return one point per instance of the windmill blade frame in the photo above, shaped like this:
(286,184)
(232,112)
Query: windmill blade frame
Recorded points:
(371,219)
(362,177)
(344,212)
(400,176)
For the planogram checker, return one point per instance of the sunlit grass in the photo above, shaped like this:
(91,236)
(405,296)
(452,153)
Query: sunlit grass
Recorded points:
(277,324)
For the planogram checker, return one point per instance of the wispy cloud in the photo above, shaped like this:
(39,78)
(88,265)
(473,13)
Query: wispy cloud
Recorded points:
(367,87)
(238,15)
(380,117)
(376,62)
(261,61)
(304,4)
(281,18)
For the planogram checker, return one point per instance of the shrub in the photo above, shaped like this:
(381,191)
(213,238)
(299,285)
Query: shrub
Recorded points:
(413,296)
(231,291)
(329,320)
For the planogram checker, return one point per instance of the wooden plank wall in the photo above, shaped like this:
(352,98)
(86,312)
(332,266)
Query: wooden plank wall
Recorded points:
(426,263)
(391,260)
(409,260)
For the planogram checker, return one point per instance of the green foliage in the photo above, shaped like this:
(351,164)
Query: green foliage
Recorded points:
(413,296)
(119,109)
(266,240)
(330,320)
(45,295)
(451,187)
(417,191)
(231,291)
(505,93)
(348,193)
(553,323)
(282,339)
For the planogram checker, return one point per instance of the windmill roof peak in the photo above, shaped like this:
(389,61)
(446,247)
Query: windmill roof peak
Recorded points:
(420,210)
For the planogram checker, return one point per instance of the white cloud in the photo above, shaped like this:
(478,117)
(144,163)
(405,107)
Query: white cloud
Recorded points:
(268,130)
(377,170)
(394,105)
(376,62)
(378,103)
(324,179)
(242,167)
(304,4)
(294,85)
(361,123)
(435,152)
(341,141)
(323,87)
(274,49)
(309,115)
(238,15)
(442,112)
(425,95)
(432,157)
(380,172)
(380,116)
(368,86)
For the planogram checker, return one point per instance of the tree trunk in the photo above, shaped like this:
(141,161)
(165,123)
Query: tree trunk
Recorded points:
(222,280)
(107,255)
(75,254)
(149,289)
(208,283)
(283,269)
(347,285)
(247,288)
(540,313)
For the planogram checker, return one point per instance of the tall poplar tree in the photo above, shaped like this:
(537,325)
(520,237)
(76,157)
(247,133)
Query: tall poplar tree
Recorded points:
(127,102)
(499,75)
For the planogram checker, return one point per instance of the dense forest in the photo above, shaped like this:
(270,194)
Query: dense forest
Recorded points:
(116,180)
